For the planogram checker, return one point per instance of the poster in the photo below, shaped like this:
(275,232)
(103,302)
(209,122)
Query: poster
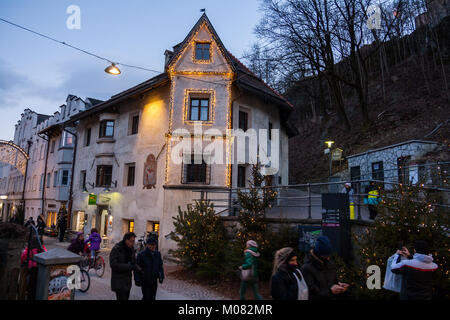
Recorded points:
(307,237)
(57,285)
(92,199)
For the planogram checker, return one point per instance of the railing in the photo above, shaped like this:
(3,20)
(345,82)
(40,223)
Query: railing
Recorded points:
(300,196)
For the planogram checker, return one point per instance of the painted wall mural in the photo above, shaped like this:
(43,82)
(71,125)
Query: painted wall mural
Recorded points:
(150,170)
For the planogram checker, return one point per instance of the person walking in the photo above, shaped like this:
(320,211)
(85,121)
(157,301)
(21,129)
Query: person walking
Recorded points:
(122,260)
(29,222)
(372,199)
(150,271)
(95,240)
(416,272)
(251,256)
(320,272)
(77,244)
(287,281)
(351,200)
(40,226)
(27,261)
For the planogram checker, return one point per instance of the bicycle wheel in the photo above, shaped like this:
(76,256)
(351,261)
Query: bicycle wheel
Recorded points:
(85,281)
(100,266)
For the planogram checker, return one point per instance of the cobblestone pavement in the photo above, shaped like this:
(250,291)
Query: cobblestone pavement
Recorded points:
(171,289)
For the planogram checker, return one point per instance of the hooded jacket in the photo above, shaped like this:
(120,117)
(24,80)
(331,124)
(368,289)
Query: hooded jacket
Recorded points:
(151,265)
(251,260)
(320,276)
(95,241)
(77,246)
(416,274)
(284,285)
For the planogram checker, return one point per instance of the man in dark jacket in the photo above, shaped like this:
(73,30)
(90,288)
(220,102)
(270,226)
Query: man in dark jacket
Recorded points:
(416,272)
(320,272)
(122,260)
(151,264)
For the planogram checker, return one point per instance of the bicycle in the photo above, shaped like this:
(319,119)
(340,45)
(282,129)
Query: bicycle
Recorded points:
(85,280)
(98,263)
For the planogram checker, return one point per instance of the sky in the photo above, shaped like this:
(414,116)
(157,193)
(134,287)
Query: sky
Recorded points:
(38,74)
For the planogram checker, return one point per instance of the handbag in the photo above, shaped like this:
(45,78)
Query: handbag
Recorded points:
(246,274)
(392,281)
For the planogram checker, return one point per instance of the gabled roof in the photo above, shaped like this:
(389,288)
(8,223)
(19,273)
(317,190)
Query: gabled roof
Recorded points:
(179,48)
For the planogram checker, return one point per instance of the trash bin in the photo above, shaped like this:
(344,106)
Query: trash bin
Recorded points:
(53,275)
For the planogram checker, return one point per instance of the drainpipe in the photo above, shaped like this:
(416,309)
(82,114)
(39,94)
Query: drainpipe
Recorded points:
(45,174)
(29,142)
(69,206)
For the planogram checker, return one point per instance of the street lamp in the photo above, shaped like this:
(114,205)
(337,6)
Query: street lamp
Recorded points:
(108,187)
(329,143)
(112,69)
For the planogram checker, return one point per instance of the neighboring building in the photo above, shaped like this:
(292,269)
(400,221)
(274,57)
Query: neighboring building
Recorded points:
(400,163)
(49,168)
(436,11)
(125,143)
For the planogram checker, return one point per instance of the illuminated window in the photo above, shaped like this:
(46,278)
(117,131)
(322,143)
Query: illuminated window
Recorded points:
(202,51)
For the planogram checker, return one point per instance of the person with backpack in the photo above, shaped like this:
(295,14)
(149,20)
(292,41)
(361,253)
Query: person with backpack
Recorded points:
(287,281)
(95,240)
(251,256)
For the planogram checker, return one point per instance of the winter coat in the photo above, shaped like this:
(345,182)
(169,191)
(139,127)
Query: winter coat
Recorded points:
(95,241)
(284,286)
(77,246)
(350,194)
(151,265)
(251,260)
(40,226)
(416,274)
(372,197)
(122,260)
(320,276)
(31,263)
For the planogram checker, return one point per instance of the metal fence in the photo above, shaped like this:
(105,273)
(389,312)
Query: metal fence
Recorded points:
(303,201)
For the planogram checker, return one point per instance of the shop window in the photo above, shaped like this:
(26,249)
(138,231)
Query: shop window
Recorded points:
(152,226)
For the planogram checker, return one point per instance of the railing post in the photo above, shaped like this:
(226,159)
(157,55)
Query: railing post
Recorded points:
(230,212)
(358,191)
(309,201)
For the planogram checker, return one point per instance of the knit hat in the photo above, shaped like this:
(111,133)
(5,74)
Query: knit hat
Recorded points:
(323,247)
(151,240)
(252,243)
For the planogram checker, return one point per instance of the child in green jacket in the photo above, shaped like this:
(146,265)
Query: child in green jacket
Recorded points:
(251,255)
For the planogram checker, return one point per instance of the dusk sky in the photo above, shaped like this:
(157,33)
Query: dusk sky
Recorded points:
(37,73)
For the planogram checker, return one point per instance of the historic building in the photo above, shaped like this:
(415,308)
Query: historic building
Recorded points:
(130,172)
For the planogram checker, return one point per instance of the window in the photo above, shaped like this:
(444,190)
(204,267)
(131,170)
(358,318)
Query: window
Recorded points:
(202,51)
(106,129)
(49,180)
(53,146)
(403,169)
(55,179)
(134,124)
(127,226)
(65,177)
(199,109)
(152,226)
(87,139)
(377,171)
(82,179)
(270,130)
(243,120)
(130,171)
(104,176)
(241,177)
(41,185)
(195,173)
(34,182)
(41,154)
(67,139)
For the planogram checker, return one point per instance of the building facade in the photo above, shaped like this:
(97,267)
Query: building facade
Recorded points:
(142,154)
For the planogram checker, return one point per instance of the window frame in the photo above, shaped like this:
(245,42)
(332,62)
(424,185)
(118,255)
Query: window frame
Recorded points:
(100,178)
(87,139)
(103,129)
(239,177)
(189,169)
(65,177)
(127,181)
(243,112)
(134,126)
(199,107)
(203,50)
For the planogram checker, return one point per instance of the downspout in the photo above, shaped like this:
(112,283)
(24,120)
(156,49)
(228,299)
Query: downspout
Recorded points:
(45,173)
(69,206)
(29,142)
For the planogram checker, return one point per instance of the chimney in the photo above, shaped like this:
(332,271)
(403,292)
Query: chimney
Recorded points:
(168,54)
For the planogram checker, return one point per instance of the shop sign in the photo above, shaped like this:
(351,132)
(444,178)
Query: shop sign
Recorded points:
(92,199)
